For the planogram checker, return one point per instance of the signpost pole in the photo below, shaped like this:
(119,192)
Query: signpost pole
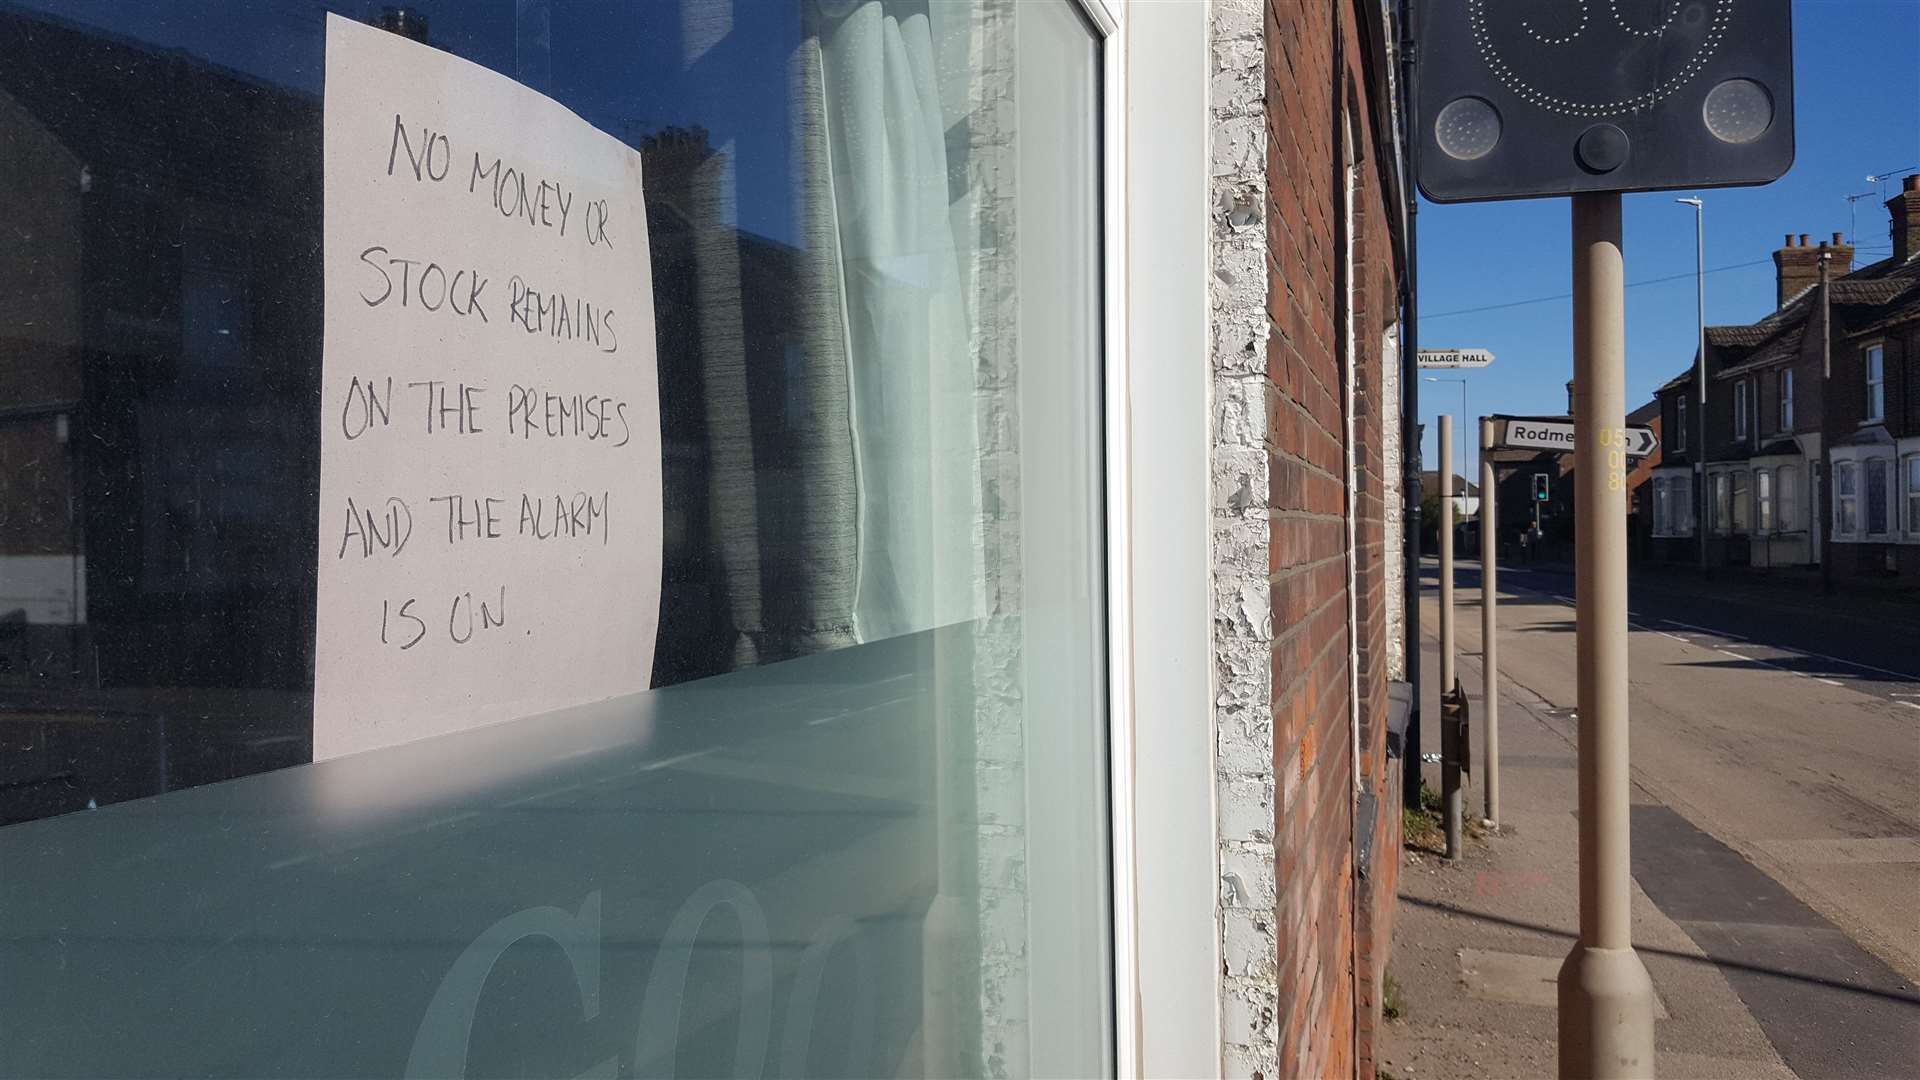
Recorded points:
(1606,999)
(1489,620)
(1449,752)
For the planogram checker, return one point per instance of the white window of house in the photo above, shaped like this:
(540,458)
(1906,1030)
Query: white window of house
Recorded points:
(1786,491)
(1878,470)
(1722,503)
(1740,409)
(1742,504)
(1680,422)
(1662,522)
(1912,472)
(1846,499)
(1683,504)
(1786,399)
(1876,382)
(1763,500)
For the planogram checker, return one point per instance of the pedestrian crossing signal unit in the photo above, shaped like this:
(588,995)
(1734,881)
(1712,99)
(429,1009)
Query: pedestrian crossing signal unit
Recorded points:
(1540,487)
(1527,98)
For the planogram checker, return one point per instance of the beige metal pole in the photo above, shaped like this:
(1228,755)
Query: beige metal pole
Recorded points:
(1450,797)
(1606,999)
(1489,623)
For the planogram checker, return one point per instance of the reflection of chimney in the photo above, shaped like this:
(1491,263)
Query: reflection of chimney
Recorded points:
(1904,209)
(405,21)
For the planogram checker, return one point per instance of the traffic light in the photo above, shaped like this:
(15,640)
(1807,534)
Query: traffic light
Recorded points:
(1540,487)
(1524,98)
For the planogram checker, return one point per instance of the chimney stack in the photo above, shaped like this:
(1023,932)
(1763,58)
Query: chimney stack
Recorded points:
(1796,269)
(1798,265)
(1904,209)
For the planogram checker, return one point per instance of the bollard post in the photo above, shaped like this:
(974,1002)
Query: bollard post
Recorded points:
(1606,998)
(1489,622)
(1450,796)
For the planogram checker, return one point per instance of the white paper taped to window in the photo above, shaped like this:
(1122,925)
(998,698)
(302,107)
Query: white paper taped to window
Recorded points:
(490,492)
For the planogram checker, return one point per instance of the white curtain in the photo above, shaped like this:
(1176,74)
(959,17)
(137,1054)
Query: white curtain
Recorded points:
(909,365)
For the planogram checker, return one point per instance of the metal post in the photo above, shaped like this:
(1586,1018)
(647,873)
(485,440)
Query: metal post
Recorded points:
(1606,999)
(1449,752)
(1826,395)
(1700,369)
(1489,622)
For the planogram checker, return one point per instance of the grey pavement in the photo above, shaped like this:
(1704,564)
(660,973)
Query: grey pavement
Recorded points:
(1774,913)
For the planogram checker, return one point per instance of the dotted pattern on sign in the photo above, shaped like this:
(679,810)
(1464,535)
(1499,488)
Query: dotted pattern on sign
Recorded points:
(1545,40)
(1483,40)
(1673,8)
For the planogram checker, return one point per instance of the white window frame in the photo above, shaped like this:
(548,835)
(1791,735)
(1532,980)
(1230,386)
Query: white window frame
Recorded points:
(1742,397)
(1786,400)
(1157,69)
(1786,496)
(1846,499)
(1874,368)
(1910,493)
(1883,467)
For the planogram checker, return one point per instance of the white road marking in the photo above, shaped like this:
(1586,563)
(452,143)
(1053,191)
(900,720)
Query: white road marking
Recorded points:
(1709,630)
(1900,675)
(1829,682)
(1908,704)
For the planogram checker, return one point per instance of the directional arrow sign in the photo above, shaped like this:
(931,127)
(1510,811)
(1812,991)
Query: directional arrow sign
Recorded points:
(1455,358)
(1556,433)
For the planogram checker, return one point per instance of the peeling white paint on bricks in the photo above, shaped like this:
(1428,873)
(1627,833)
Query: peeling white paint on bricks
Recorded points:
(1242,611)
(1392,488)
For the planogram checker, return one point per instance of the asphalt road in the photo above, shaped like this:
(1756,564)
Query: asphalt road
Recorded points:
(1798,632)
(1775,752)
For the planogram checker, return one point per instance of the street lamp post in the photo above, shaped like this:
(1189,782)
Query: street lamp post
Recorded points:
(1447,481)
(1699,450)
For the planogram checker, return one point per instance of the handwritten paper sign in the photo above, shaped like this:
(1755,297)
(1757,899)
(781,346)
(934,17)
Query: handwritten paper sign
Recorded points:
(490,514)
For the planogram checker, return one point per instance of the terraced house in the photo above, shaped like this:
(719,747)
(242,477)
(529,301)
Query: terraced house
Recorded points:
(1809,444)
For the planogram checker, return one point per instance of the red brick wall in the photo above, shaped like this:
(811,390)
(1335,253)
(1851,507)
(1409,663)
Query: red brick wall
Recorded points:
(1334,927)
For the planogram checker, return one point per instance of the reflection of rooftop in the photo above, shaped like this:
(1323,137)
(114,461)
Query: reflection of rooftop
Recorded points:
(176,122)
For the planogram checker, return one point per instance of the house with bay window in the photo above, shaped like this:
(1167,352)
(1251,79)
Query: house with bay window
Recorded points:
(1872,416)
(1808,448)
(1740,467)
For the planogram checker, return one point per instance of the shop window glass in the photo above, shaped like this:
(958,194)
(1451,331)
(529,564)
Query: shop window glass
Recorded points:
(855,823)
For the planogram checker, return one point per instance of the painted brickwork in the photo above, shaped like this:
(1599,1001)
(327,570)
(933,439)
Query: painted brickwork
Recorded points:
(1331,928)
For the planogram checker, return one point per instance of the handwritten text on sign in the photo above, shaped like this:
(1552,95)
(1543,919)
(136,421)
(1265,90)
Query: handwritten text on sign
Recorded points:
(490,511)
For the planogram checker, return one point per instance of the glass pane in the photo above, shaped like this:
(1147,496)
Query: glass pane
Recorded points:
(854,824)
(1876,497)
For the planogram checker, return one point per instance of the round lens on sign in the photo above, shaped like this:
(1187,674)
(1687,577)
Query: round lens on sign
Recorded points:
(1467,128)
(1738,111)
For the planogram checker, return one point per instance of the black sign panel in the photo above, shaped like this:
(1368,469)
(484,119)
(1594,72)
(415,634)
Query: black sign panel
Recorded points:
(1526,98)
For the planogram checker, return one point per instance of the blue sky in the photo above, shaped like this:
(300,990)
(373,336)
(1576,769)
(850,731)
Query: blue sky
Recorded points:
(1857,111)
